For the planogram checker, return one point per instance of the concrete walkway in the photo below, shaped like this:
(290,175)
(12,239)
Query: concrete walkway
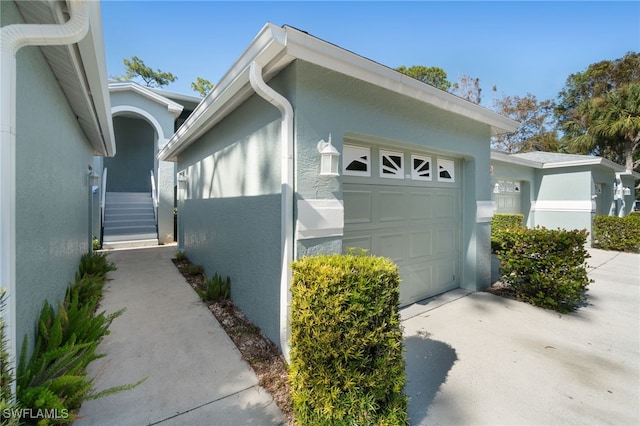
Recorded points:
(195,373)
(484,360)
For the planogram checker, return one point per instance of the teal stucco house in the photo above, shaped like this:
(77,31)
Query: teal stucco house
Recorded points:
(304,147)
(55,117)
(556,190)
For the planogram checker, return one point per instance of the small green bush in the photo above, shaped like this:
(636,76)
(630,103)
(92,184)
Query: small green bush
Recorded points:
(6,373)
(217,288)
(546,268)
(617,233)
(347,362)
(97,264)
(193,269)
(501,223)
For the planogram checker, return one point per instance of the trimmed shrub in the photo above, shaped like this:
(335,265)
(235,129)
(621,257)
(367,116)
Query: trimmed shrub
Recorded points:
(501,223)
(545,267)
(617,233)
(347,362)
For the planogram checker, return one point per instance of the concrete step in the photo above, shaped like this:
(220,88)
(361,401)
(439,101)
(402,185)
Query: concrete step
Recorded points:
(113,245)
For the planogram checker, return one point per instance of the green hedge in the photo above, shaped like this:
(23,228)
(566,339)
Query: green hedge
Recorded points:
(617,233)
(546,268)
(347,362)
(501,223)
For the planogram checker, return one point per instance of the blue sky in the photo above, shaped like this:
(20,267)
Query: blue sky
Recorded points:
(521,47)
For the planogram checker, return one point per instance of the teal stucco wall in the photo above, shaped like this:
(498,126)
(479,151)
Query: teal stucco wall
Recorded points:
(128,170)
(329,102)
(52,188)
(229,212)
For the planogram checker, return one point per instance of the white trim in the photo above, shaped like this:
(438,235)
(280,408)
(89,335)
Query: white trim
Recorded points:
(395,174)
(564,206)
(118,110)
(447,165)
(320,219)
(425,159)
(352,153)
(286,196)
(174,108)
(485,211)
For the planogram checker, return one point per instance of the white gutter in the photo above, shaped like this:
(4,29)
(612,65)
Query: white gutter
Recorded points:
(12,39)
(286,187)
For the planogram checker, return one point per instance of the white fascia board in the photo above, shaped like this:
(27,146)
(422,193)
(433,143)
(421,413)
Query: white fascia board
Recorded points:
(506,158)
(314,50)
(93,57)
(595,161)
(173,107)
(232,89)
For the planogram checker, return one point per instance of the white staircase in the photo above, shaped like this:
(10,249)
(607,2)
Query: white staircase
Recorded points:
(129,220)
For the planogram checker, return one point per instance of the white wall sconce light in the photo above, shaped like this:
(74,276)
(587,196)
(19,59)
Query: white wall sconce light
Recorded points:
(182,180)
(329,156)
(626,191)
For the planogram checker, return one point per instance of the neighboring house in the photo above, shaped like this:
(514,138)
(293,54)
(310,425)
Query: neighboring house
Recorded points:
(411,183)
(55,117)
(140,190)
(557,190)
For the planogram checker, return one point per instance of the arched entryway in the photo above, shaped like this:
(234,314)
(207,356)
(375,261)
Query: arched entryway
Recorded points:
(130,169)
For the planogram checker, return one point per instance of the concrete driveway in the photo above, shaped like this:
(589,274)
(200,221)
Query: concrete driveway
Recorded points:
(482,359)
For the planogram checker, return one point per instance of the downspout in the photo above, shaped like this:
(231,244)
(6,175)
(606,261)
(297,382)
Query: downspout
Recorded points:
(286,186)
(12,39)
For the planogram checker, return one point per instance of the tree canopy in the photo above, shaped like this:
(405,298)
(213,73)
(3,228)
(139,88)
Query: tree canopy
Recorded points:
(136,69)
(434,76)
(537,124)
(202,86)
(598,110)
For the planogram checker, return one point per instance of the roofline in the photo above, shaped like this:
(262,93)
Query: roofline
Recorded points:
(173,107)
(588,161)
(173,95)
(274,48)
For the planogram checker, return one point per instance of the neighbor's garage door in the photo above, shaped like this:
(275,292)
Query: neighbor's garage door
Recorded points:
(399,206)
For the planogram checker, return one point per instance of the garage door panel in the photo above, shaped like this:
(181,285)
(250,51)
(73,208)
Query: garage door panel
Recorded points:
(358,206)
(445,241)
(420,205)
(444,205)
(416,227)
(388,202)
(420,244)
(391,246)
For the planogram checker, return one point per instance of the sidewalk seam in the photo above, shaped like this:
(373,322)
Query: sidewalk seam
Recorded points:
(202,405)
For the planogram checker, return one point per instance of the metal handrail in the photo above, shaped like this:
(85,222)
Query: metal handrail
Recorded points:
(154,197)
(103,194)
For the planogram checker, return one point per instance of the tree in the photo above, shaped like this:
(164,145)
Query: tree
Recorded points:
(615,118)
(135,68)
(202,86)
(467,88)
(434,76)
(584,100)
(537,124)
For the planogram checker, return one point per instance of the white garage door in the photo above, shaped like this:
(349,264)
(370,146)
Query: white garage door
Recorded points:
(405,206)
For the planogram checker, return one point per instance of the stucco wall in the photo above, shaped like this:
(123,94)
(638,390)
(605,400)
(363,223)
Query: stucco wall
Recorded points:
(328,102)
(52,189)
(230,212)
(526,177)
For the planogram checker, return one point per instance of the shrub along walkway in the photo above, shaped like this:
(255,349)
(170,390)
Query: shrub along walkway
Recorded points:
(482,359)
(195,373)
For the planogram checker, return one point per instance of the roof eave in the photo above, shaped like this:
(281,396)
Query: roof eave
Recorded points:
(274,48)
(173,107)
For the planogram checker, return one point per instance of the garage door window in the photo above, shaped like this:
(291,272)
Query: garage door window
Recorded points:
(420,167)
(446,170)
(391,165)
(357,161)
